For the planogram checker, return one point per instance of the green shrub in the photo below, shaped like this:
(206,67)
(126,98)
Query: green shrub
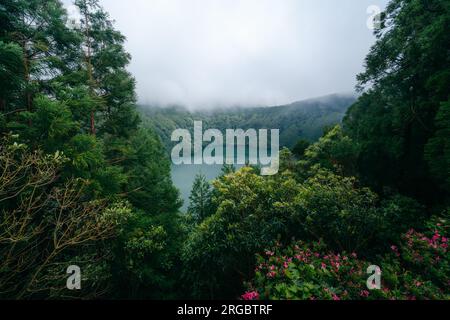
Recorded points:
(417,269)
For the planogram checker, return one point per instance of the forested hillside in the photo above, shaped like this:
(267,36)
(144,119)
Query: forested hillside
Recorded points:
(84,181)
(300,120)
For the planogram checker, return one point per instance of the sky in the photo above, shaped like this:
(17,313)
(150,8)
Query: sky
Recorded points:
(219,53)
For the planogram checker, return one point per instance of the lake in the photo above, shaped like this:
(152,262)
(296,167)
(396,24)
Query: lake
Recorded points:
(183,176)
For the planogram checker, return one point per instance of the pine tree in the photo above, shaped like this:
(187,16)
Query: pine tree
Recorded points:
(200,205)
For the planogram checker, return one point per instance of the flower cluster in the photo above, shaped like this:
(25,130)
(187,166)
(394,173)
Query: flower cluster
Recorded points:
(250,295)
(416,268)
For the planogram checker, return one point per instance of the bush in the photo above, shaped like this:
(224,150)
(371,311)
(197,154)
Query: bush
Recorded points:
(333,208)
(417,269)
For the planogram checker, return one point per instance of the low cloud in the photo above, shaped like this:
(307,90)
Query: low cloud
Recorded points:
(208,53)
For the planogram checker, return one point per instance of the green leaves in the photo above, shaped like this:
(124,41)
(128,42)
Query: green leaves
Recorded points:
(406,81)
(437,150)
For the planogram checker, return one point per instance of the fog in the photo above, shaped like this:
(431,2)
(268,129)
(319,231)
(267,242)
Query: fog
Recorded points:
(219,53)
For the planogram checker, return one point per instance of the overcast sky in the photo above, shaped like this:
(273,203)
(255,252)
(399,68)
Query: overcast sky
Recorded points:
(206,53)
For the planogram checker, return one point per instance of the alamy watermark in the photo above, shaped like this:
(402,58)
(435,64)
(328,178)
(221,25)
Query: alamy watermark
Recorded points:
(374,281)
(74,280)
(240,148)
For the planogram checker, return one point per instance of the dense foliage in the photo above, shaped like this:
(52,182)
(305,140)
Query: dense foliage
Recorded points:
(83,182)
(304,119)
(418,269)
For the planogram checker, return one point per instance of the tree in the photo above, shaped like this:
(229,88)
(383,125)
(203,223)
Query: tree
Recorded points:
(437,150)
(405,81)
(65,90)
(334,151)
(11,68)
(200,205)
(39,28)
(105,62)
(252,212)
(46,226)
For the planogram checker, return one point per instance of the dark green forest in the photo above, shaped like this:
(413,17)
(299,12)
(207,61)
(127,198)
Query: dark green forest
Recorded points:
(301,120)
(85,178)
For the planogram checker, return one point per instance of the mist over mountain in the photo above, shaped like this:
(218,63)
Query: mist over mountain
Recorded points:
(303,119)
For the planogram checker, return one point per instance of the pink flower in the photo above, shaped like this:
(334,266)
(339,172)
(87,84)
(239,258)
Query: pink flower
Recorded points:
(395,250)
(364,293)
(271,274)
(336,298)
(286,265)
(417,283)
(270,253)
(253,295)
(444,240)
(324,266)
(354,255)
(272,268)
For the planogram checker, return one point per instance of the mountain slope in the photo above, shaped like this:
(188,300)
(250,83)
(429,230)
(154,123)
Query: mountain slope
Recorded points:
(303,119)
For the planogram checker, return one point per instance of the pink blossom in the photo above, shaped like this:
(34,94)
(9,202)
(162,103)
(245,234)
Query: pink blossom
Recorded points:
(336,298)
(395,250)
(270,253)
(253,295)
(436,237)
(324,266)
(444,240)
(364,293)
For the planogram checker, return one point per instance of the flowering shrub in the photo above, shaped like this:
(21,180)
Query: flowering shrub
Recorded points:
(421,264)
(417,269)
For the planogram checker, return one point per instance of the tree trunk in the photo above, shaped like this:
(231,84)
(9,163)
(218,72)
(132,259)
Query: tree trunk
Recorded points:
(92,123)
(89,67)
(29,97)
